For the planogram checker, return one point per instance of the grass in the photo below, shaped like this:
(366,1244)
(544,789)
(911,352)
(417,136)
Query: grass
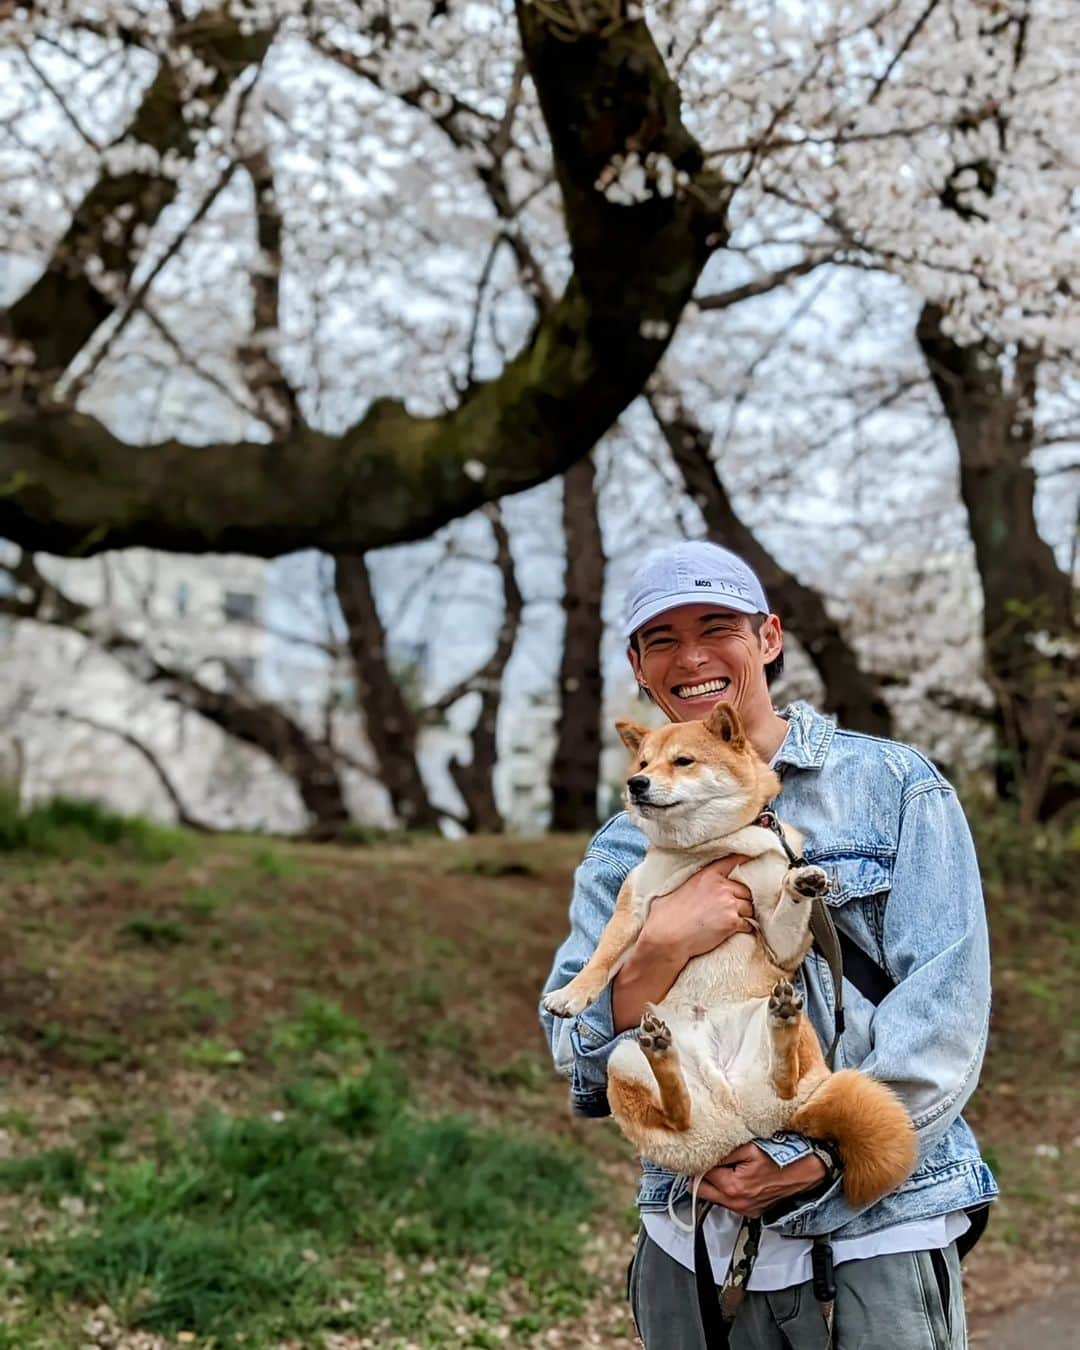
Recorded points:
(252,1223)
(65,828)
(296,1093)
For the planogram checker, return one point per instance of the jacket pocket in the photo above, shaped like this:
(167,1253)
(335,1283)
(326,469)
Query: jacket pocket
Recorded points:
(854,876)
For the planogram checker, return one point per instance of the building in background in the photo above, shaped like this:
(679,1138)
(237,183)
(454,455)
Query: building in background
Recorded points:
(72,711)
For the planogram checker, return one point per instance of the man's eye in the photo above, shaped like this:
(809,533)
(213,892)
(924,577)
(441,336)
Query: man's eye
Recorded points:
(683,762)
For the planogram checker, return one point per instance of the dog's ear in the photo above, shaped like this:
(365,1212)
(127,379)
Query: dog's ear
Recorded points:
(632,735)
(726,724)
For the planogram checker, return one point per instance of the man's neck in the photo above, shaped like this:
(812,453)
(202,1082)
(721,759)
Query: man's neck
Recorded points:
(767,735)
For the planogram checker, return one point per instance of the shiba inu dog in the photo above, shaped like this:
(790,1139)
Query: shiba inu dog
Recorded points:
(728,1055)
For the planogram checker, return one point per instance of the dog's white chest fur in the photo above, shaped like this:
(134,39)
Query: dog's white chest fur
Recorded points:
(717,1009)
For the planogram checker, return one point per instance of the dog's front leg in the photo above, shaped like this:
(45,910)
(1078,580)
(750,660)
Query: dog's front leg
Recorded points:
(787,929)
(615,941)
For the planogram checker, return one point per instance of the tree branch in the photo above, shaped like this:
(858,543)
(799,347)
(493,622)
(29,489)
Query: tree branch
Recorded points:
(475,780)
(183,816)
(60,313)
(309,761)
(272,392)
(849,691)
(67,485)
(770,281)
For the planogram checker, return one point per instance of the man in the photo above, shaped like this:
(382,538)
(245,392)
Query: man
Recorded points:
(905,889)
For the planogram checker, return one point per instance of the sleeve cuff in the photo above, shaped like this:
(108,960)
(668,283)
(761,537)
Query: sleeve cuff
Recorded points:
(784,1147)
(593,1038)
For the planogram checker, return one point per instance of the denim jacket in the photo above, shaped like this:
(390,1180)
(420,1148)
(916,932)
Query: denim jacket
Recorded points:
(905,887)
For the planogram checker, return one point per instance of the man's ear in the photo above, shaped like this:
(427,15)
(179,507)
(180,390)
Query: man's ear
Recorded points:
(632,735)
(726,724)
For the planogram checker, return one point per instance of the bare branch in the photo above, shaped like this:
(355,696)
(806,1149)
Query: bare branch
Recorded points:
(762,285)
(183,815)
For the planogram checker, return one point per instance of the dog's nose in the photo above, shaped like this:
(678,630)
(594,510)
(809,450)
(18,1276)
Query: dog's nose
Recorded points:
(638,785)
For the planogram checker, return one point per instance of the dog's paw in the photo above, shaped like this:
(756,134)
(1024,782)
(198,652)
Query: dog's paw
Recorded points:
(785,1004)
(809,881)
(568,1001)
(654,1034)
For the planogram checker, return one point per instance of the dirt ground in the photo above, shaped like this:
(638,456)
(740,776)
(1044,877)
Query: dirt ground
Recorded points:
(113,971)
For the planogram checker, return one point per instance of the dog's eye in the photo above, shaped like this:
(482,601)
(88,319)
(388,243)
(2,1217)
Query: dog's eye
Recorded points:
(683,762)
(643,763)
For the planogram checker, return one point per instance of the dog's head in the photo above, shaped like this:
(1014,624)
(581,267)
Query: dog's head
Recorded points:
(693,781)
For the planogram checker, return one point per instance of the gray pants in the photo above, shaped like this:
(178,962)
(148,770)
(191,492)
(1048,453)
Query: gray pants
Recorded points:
(903,1301)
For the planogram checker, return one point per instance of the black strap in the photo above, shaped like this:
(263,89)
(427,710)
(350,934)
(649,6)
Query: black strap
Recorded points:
(978,1217)
(713,1326)
(863,971)
(718,1306)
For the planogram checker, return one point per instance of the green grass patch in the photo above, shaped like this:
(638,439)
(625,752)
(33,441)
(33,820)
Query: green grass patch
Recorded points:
(153,930)
(491,867)
(204,1006)
(270,862)
(359,1104)
(320,1026)
(52,1174)
(283,1224)
(85,1046)
(67,828)
(18,1122)
(213,1053)
(205,904)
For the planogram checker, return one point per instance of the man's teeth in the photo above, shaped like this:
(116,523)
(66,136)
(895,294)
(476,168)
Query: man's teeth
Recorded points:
(700,690)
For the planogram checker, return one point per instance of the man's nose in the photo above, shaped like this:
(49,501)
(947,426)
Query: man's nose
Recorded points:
(638,785)
(692,655)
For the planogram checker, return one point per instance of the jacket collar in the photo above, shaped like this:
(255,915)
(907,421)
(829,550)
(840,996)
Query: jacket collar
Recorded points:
(808,738)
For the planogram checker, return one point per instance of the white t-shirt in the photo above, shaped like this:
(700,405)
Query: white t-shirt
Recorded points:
(782,1261)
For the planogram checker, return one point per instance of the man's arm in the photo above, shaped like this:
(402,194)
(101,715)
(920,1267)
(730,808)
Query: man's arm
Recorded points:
(929,1033)
(696,918)
(581,1045)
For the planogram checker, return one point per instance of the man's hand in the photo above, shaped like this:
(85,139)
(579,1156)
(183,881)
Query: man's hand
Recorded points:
(694,918)
(749,1182)
(701,913)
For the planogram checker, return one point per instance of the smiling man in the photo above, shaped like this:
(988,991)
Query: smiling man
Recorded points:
(889,831)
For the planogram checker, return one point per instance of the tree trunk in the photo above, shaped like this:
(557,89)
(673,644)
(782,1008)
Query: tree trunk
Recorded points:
(1028,622)
(852,694)
(575,769)
(309,762)
(476,780)
(392,727)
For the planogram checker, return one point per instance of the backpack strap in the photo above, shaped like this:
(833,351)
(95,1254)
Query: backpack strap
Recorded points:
(846,961)
(827,941)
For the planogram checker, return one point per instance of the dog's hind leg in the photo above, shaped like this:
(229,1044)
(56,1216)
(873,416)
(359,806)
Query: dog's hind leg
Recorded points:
(632,1099)
(792,1039)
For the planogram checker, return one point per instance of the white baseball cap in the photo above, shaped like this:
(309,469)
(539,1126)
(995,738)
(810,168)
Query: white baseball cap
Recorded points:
(693,572)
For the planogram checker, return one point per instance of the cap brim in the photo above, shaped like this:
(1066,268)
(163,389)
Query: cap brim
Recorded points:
(645,613)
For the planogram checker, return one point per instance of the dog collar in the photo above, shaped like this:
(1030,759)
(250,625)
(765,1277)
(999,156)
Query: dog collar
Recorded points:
(767,820)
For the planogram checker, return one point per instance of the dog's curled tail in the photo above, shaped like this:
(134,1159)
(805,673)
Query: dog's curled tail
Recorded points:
(868,1125)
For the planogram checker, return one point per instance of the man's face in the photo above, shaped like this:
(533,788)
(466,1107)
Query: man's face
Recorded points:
(692,657)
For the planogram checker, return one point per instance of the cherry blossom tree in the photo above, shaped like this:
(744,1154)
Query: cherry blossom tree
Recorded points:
(332,273)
